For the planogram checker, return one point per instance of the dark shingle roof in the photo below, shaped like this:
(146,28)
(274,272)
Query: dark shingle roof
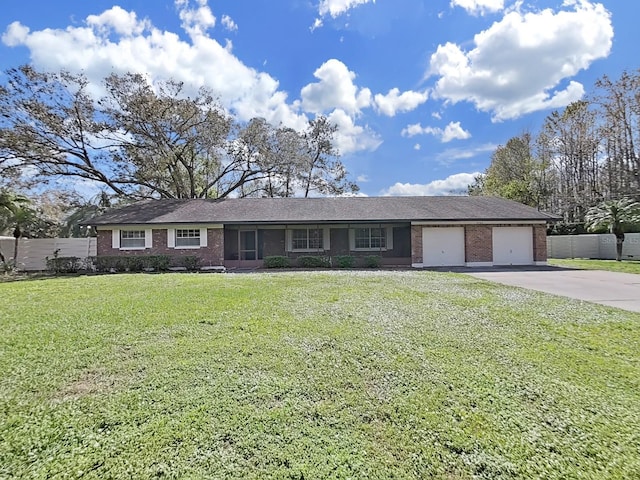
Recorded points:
(325,209)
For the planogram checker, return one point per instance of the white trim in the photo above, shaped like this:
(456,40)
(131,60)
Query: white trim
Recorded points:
(148,238)
(171,238)
(203,237)
(288,235)
(115,238)
(515,223)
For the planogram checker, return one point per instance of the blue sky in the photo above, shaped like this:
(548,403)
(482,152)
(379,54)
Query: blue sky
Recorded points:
(423,91)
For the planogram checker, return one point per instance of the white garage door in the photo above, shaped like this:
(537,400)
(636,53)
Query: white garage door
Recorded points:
(442,246)
(512,246)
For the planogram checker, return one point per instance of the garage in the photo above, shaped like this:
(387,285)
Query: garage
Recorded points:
(512,246)
(443,247)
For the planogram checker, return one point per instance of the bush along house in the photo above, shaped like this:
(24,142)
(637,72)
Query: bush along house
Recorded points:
(328,231)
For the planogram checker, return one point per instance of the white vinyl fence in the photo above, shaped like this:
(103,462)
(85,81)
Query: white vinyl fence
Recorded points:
(601,246)
(32,252)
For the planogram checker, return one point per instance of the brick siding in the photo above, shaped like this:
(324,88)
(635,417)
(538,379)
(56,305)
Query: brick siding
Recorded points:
(540,243)
(211,255)
(478,244)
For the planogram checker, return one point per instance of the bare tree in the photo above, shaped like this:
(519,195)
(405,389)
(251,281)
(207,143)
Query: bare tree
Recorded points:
(619,109)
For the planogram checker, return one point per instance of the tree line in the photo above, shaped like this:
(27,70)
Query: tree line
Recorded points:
(582,156)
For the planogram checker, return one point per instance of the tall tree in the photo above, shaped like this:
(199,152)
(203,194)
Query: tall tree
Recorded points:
(569,143)
(616,216)
(515,173)
(321,170)
(619,108)
(48,121)
(170,145)
(149,140)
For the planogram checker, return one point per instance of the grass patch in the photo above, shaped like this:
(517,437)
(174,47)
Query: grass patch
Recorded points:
(313,375)
(625,266)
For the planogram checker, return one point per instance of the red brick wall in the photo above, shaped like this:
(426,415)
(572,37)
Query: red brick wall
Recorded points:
(212,255)
(416,244)
(478,244)
(540,243)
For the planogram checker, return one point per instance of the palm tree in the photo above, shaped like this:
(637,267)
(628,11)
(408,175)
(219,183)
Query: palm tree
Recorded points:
(14,215)
(616,216)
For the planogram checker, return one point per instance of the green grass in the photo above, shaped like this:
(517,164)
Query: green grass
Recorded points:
(372,375)
(626,266)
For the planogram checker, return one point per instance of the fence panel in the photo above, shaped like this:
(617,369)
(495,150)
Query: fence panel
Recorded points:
(598,246)
(33,252)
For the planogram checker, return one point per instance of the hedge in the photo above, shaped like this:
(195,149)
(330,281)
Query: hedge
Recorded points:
(277,261)
(132,263)
(313,261)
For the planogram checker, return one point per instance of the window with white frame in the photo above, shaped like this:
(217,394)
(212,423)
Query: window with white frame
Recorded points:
(189,237)
(132,239)
(372,237)
(307,239)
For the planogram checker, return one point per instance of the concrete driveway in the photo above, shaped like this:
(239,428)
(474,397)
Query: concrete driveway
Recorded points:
(621,290)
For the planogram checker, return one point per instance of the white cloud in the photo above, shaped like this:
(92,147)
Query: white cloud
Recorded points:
(453,185)
(362,178)
(198,20)
(479,7)
(394,101)
(351,137)
(122,22)
(519,64)
(417,147)
(452,155)
(334,90)
(453,131)
(117,41)
(228,23)
(339,7)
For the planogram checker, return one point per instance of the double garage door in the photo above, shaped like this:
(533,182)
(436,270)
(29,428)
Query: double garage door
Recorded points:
(445,246)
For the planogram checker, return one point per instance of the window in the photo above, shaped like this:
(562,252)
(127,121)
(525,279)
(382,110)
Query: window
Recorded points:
(132,239)
(307,239)
(188,237)
(370,238)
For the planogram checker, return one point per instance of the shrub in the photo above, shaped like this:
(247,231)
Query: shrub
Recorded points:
(313,261)
(277,261)
(191,262)
(135,263)
(159,263)
(132,263)
(344,261)
(372,261)
(59,265)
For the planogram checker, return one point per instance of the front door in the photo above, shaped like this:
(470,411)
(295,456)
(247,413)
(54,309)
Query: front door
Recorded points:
(248,240)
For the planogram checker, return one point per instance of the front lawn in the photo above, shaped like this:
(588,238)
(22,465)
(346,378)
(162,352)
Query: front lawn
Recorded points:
(364,375)
(625,266)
